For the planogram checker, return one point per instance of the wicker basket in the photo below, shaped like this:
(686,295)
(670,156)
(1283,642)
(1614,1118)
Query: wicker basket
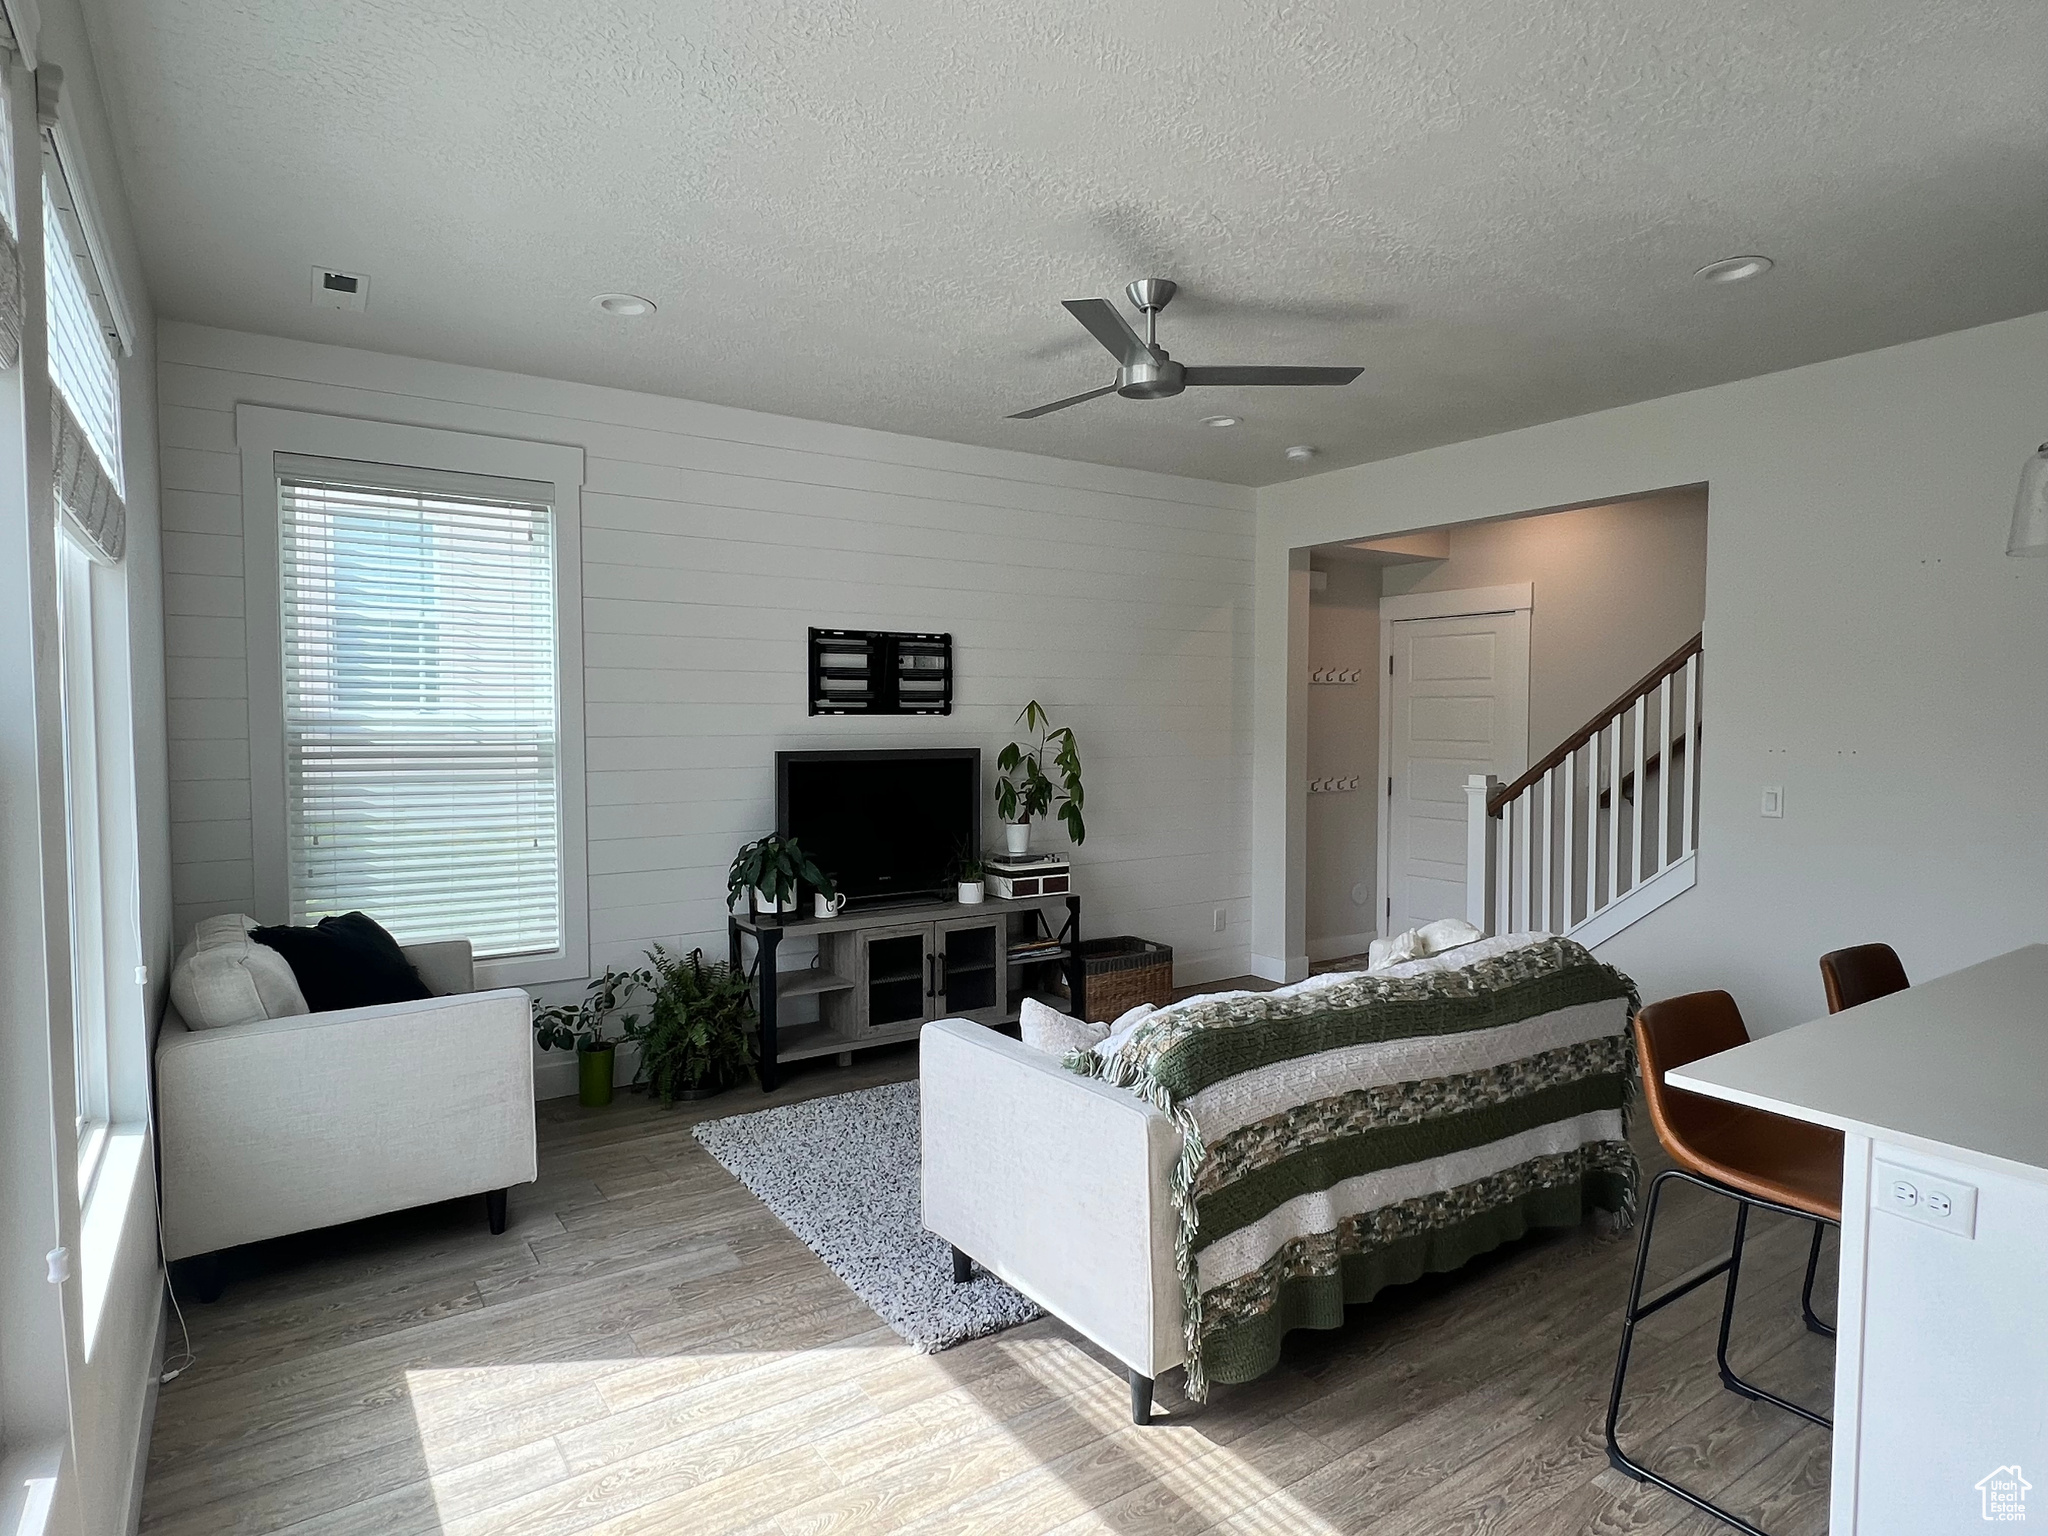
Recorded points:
(1124,972)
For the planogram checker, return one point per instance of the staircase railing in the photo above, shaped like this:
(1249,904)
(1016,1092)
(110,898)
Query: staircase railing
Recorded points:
(1611,809)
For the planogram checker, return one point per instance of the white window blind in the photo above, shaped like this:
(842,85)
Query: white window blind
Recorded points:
(82,361)
(422,766)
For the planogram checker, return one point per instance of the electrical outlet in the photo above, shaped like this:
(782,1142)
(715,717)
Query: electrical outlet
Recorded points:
(1221,919)
(1922,1197)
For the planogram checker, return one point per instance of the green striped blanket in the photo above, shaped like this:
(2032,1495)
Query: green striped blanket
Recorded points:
(1358,1131)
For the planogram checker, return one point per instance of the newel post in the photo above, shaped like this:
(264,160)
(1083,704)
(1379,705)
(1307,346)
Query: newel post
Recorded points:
(1481,873)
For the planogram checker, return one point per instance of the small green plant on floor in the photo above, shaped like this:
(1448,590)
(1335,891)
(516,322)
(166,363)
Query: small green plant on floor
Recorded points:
(697,1037)
(580,1026)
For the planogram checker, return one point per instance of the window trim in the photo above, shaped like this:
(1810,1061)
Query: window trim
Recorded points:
(82,712)
(264,432)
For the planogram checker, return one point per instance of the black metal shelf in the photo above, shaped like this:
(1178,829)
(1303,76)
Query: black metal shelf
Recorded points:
(900,673)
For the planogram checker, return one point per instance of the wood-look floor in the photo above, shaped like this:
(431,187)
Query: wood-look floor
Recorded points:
(648,1350)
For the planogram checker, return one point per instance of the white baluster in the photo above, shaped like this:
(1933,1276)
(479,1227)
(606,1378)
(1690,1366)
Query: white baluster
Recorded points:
(1571,861)
(1638,719)
(1663,856)
(1613,809)
(1692,745)
(1547,919)
(1504,864)
(1528,887)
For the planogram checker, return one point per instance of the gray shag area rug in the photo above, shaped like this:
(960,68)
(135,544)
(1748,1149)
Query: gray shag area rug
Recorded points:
(842,1174)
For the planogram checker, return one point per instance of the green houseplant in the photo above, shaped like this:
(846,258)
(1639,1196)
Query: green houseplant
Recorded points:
(968,870)
(697,1038)
(579,1027)
(1024,788)
(772,868)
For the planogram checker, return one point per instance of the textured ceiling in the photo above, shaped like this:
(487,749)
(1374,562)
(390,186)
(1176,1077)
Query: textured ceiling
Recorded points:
(868,212)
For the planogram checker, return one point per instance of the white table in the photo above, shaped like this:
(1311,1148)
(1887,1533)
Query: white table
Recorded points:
(1941,1370)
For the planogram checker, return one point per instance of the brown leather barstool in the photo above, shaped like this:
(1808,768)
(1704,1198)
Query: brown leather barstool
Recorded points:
(1861,975)
(1756,1159)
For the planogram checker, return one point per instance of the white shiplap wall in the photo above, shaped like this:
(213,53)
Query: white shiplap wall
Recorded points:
(712,539)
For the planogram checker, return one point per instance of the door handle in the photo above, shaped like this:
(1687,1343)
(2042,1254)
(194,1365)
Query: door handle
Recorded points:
(931,983)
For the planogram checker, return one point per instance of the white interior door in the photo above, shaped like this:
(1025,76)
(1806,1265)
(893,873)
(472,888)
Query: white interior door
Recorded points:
(1458,704)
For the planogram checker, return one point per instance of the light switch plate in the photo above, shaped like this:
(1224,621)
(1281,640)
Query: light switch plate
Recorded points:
(1946,1204)
(1774,800)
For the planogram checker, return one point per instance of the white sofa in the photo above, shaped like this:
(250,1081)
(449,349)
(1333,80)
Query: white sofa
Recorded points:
(1056,1184)
(283,1125)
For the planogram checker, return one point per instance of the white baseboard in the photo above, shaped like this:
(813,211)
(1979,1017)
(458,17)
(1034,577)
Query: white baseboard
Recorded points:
(555,1073)
(133,1522)
(1338,944)
(1274,969)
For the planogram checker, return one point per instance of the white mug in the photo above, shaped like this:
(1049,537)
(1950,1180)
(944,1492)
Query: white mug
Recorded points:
(827,906)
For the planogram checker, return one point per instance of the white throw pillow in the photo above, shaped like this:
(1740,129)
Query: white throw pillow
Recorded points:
(224,977)
(1447,933)
(1420,943)
(1047,1029)
(1120,1031)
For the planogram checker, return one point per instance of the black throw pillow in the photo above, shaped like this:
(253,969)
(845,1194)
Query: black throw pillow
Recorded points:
(345,962)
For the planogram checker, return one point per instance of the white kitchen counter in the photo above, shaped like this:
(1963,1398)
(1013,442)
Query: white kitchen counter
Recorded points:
(1941,1379)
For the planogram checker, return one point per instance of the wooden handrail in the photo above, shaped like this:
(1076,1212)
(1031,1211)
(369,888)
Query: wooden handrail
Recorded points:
(1498,800)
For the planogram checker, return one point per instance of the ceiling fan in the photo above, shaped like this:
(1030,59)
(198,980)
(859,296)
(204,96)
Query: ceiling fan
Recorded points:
(1145,372)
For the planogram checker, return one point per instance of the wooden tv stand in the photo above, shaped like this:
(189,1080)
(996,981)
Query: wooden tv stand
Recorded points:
(883,973)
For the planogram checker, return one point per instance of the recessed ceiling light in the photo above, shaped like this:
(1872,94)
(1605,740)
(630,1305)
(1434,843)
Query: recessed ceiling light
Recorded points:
(627,306)
(1733,269)
(1302,451)
(1220,421)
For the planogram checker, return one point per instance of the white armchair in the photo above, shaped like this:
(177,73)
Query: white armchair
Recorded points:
(284,1125)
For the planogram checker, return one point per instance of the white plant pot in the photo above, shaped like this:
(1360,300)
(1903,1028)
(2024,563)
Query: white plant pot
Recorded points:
(767,906)
(1017,836)
(970,893)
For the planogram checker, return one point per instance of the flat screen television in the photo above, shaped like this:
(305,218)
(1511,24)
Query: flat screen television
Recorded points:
(885,825)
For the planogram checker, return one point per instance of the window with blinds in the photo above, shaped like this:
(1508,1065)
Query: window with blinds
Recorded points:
(422,765)
(82,362)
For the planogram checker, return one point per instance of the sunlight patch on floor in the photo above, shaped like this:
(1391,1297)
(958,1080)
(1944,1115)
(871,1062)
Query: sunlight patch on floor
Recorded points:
(1213,1480)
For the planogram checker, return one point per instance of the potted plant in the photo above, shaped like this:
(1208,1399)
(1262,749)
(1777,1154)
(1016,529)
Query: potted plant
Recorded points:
(579,1027)
(968,870)
(1023,788)
(697,1039)
(772,868)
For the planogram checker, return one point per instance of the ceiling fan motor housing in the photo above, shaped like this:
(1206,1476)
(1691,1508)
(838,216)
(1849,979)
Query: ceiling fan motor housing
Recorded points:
(1151,381)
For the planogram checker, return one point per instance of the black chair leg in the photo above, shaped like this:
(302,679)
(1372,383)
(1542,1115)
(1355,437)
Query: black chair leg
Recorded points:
(1729,1379)
(963,1268)
(1813,1323)
(1733,1382)
(494,1210)
(1638,1309)
(1141,1398)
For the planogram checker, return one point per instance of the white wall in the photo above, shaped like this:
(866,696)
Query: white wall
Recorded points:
(1869,646)
(1617,589)
(712,539)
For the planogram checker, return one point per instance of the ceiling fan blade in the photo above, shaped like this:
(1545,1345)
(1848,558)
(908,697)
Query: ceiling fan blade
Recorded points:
(1061,405)
(1109,327)
(1271,375)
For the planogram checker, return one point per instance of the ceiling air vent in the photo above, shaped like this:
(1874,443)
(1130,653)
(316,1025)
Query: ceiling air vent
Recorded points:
(340,290)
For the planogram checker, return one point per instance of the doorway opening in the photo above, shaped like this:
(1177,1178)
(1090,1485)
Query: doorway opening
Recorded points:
(1481,649)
